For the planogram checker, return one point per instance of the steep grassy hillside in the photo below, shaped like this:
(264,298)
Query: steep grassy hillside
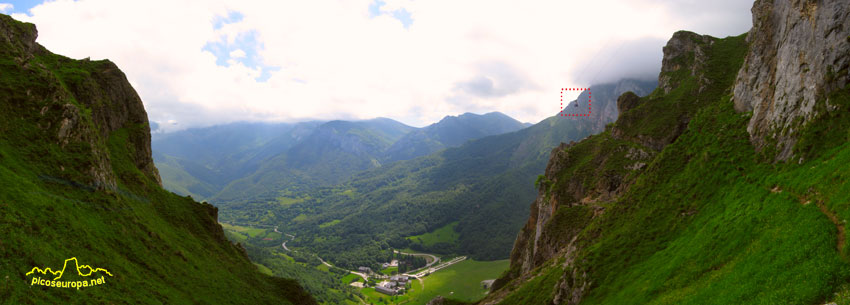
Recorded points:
(77,180)
(679,202)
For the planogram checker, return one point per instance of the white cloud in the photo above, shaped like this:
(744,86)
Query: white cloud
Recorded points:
(238,53)
(337,62)
(6,7)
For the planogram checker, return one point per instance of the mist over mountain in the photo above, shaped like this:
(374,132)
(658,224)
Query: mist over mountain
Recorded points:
(451,131)
(201,161)
(476,186)
(241,161)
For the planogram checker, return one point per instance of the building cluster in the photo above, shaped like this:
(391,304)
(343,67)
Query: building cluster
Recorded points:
(393,263)
(394,286)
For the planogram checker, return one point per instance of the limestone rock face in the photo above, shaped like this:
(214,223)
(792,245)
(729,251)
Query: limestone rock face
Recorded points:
(84,103)
(685,57)
(685,50)
(799,52)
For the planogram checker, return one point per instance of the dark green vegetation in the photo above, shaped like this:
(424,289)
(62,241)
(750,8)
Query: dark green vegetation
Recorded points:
(77,180)
(244,162)
(709,220)
(483,186)
(325,284)
(407,262)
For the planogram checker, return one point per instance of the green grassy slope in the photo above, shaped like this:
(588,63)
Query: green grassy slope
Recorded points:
(445,234)
(461,281)
(158,247)
(709,221)
(175,178)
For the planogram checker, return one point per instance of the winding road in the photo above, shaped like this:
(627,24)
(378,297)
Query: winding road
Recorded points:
(420,272)
(434,259)
(438,267)
(363,275)
(291,237)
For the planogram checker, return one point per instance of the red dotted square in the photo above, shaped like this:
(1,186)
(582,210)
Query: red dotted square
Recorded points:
(561,113)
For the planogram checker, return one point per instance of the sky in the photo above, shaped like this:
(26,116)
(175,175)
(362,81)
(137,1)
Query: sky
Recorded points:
(209,62)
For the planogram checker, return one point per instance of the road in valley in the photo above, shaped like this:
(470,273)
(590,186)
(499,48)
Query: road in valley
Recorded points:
(434,259)
(438,267)
(291,237)
(363,275)
(421,271)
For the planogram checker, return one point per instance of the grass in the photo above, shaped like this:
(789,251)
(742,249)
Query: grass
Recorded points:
(539,289)
(235,236)
(251,232)
(300,218)
(745,243)
(461,281)
(710,220)
(350,278)
(263,269)
(377,298)
(329,223)
(444,234)
(242,233)
(287,201)
(390,270)
(90,198)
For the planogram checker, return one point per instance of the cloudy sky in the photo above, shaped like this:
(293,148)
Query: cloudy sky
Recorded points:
(199,63)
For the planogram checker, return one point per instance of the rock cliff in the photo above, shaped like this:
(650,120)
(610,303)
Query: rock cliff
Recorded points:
(795,55)
(567,201)
(798,55)
(66,89)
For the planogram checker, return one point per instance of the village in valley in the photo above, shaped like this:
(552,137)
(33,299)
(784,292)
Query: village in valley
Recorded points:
(396,276)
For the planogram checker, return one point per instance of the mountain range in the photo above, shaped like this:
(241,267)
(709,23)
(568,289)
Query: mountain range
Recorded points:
(474,188)
(239,161)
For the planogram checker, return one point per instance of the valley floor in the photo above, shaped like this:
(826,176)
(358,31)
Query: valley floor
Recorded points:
(451,277)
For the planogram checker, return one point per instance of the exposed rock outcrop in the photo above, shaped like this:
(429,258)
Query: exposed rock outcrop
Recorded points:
(799,52)
(582,178)
(685,56)
(685,50)
(627,101)
(67,88)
